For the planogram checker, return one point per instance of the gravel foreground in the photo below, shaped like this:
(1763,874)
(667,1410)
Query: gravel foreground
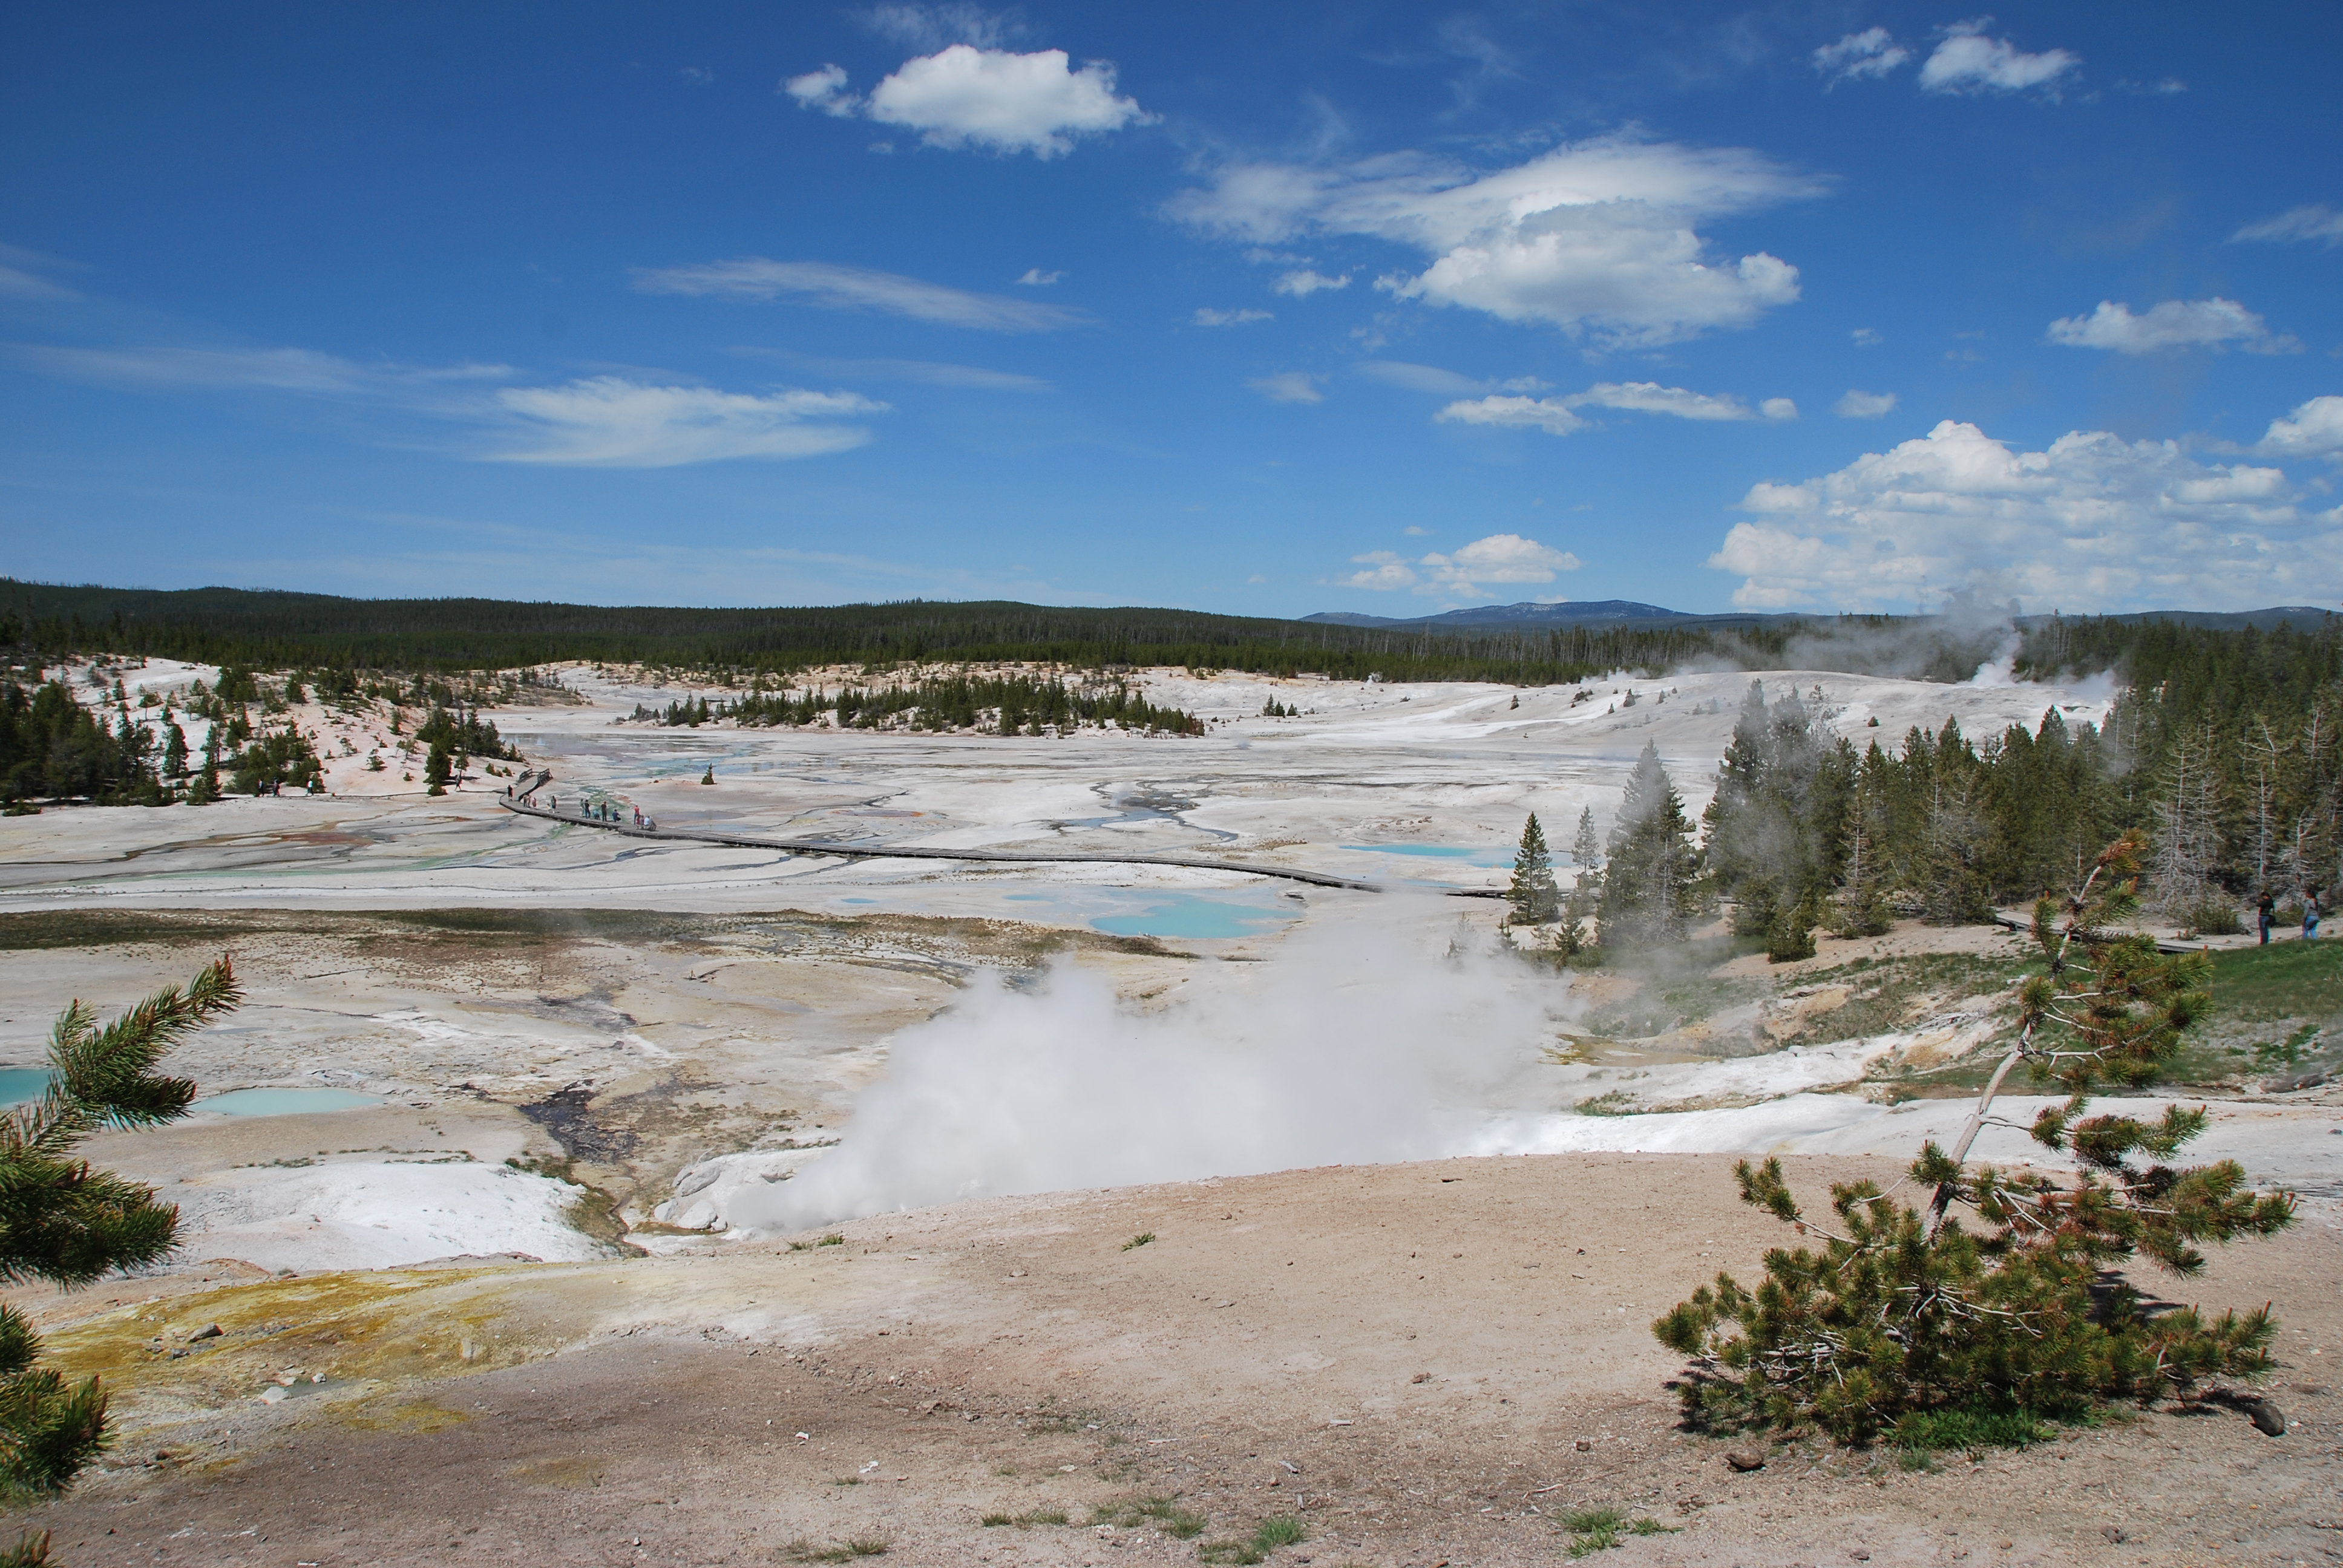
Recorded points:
(1427,1364)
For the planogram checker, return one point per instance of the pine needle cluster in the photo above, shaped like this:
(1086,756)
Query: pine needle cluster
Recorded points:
(2003,1290)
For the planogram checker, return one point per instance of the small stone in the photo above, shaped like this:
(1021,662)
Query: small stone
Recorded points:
(1749,1461)
(1421,1377)
(1860,1555)
(1584,1445)
(2267,1418)
(2114,1533)
(212,1333)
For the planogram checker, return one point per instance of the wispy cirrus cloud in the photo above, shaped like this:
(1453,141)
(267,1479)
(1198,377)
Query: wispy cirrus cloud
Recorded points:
(609,422)
(2314,221)
(1873,51)
(836,288)
(1289,386)
(603,421)
(1206,316)
(1560,416)
(23,275)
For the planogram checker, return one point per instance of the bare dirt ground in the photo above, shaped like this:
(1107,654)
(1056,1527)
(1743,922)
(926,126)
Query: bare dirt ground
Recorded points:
(1425,1363)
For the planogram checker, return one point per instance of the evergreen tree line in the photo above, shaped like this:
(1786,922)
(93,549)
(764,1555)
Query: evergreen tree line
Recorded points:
(2230,768)
(1003,705)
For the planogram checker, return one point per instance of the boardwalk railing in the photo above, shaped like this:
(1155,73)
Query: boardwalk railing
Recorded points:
(922,852)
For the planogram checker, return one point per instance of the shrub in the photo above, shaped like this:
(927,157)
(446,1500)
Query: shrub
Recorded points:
(1907,1314)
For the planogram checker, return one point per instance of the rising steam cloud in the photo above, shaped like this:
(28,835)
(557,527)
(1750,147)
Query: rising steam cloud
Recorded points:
(1352,1045)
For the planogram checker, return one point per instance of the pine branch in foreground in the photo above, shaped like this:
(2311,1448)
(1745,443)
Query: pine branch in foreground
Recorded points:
(1909,1312)
(67,1223)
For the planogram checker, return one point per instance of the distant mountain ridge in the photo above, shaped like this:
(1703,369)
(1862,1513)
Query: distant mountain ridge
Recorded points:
(1532,615)
(1626,612)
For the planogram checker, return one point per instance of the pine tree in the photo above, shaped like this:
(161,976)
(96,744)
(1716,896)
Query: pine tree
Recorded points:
(436,770)
(1586,849)
(1647,881)
(175,753)
(65,1223)
(1537,900)
(1906,1315)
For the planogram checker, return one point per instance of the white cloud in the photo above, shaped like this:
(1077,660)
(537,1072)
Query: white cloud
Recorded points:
(1035,278)
(1870,52)
(2094,523)
(856,288)
(2314,429)
(925,372)
(1301,284)
(1597,237)
(20,276)
(1005,102)
(1288,386)
(251,369)
(696,77)
(1207,316)
(1556,415)
(1859,404)
(2175,324)
(609,422)
(1498,559)
(1422,378)
(2316,221)
(931,27)
(1551,414)
(825,90)
(606,421)
(1969,61)
(1413,531)
(1865,337)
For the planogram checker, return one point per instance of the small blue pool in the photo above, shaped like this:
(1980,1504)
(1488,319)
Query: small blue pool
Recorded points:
(19,1084)
(1490,857)
(1194,918)
(285,1101)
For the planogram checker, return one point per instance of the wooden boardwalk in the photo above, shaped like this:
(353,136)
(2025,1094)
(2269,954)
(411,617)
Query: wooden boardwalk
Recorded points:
(921,853)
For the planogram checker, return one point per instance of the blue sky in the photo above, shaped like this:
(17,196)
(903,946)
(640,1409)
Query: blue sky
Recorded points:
(1257,308)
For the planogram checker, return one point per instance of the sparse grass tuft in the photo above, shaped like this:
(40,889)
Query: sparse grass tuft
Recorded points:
(1180,1523)
(1026,1521)
(1139,1240)
(830,1241)
(847,1551)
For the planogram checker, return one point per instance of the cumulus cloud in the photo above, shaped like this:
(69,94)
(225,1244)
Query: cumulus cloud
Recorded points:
(1289,386)
(2175,324)
(964,96)
(1556,415)
(1498,559)
(1034,278)
(824,90)
(609,422)
(856,288)
(1207,316)
(2313,429)
(1870,52)
(1967,61)
(1860,405)
(1598,237)
(2093,523)
(1304,284)
(2316,221)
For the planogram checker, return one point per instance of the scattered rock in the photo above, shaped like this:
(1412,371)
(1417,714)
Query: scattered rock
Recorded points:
(1860,1555)
(2114,1533)
(1584,1445)
(1746,1461)
(1421,1377)
(2267,1418)
(212,1333)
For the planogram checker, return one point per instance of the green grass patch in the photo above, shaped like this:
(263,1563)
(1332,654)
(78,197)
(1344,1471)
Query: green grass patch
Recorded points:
(1593,1530)
(831,1241)
(1026,1521)
(1139,1240)
(1266,1537)
(1165,1515)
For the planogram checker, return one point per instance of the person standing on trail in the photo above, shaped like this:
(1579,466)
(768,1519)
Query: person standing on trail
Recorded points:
(2266,911)
(2310,914)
